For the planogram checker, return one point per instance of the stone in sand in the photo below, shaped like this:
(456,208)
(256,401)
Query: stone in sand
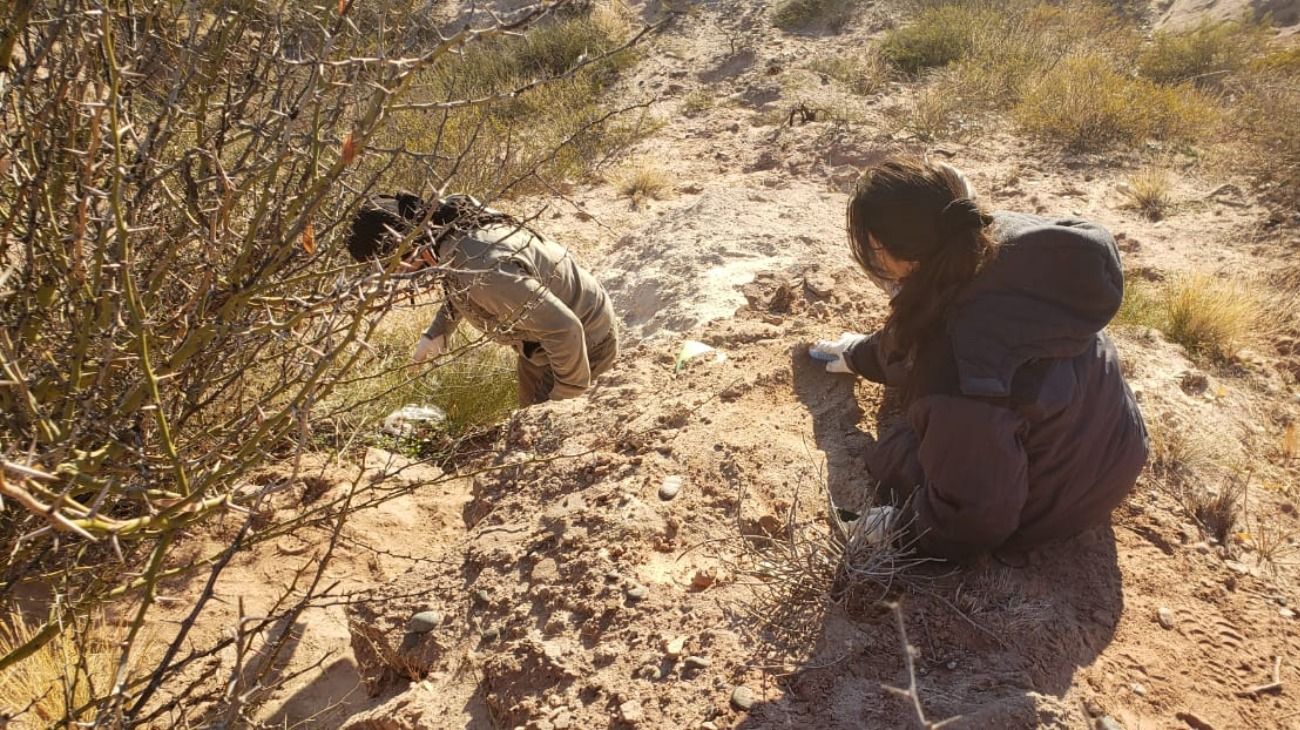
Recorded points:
(743,698)
(424,622)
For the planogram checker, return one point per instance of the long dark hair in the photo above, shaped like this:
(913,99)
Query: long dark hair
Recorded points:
(924,213)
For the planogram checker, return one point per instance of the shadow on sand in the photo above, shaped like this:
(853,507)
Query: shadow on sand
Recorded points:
(998,646)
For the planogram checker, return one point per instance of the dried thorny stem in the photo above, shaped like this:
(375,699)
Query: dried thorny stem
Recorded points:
(912,693)
(799,567)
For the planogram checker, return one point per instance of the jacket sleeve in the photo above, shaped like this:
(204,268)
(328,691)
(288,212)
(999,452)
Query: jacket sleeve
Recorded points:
(521,302)
(975,475)
(867,359)
(444,322)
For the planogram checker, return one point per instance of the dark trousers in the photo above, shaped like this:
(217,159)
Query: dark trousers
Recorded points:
(536,381)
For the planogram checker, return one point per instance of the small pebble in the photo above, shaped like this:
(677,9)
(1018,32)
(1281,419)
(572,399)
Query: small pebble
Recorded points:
(490,634)
(424,622)
(1165,616)
(709,725)
(742,697)
(670,487)
(696,662)
(675,646)
(1286,613)
(631,713)
(951,665)
(638,592)
(1138,689)
(561,721)
(1108,723)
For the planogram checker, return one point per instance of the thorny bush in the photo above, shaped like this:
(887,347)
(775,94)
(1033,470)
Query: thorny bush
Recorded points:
(175,178)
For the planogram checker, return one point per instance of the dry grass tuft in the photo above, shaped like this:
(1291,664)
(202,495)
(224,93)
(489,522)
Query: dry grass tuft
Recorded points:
(1086,103)
(1180,455)
(802,14)
(1213,315)
(863,73)
(1205,53)
(697,102)
(1150,192)
(1218,512)
(61,677)
(643,180)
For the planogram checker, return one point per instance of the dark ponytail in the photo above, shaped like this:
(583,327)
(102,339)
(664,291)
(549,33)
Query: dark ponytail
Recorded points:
(923,213)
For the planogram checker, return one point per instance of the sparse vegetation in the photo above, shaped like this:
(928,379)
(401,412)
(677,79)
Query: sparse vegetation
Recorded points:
(938,36)
(802,14)
(1203,54)
(861,72)
(1217,511)
(1150,192)
(642,180)
(697,102)
(553,131)
(1085,103)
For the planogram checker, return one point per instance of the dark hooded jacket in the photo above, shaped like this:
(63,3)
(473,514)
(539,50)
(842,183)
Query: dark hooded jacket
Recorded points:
(1019,426)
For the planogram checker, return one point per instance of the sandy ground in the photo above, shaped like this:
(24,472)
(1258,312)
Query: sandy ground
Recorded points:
(569,594)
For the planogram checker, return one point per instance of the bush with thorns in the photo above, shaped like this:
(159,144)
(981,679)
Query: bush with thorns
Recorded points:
(174,182)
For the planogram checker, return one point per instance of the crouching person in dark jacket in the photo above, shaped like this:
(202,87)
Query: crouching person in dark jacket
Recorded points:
(515,286)
(1019,426)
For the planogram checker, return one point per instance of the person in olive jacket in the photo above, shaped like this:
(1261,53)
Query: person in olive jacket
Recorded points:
(1019,427)
(514,285)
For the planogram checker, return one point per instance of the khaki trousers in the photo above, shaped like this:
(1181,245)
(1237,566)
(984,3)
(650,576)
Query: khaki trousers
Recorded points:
(536,381)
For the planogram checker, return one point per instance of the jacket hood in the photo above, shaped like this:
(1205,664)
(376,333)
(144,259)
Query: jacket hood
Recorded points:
(1052,287)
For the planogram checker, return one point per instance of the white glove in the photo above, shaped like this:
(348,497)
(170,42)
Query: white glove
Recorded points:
(878,525)
(832,352)
(428,348)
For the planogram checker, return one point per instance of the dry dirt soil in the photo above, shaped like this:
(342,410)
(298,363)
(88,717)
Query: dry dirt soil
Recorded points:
(569,594)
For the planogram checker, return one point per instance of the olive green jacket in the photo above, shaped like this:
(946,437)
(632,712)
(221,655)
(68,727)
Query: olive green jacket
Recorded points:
(527,292)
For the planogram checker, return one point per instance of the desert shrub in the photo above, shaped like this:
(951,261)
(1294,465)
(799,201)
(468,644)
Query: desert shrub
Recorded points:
(800,14)
(1266,132)
(862,72)
(937,37)
(1085,103)
(1142,306)
(176,301)
(1150,192)
(1211,315)
(936,112)
(1202,53)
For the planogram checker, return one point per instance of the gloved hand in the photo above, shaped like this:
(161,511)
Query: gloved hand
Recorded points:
(832,352)
(878,525)
(428,348)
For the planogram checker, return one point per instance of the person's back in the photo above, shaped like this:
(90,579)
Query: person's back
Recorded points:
(518,249)
(1022,382)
